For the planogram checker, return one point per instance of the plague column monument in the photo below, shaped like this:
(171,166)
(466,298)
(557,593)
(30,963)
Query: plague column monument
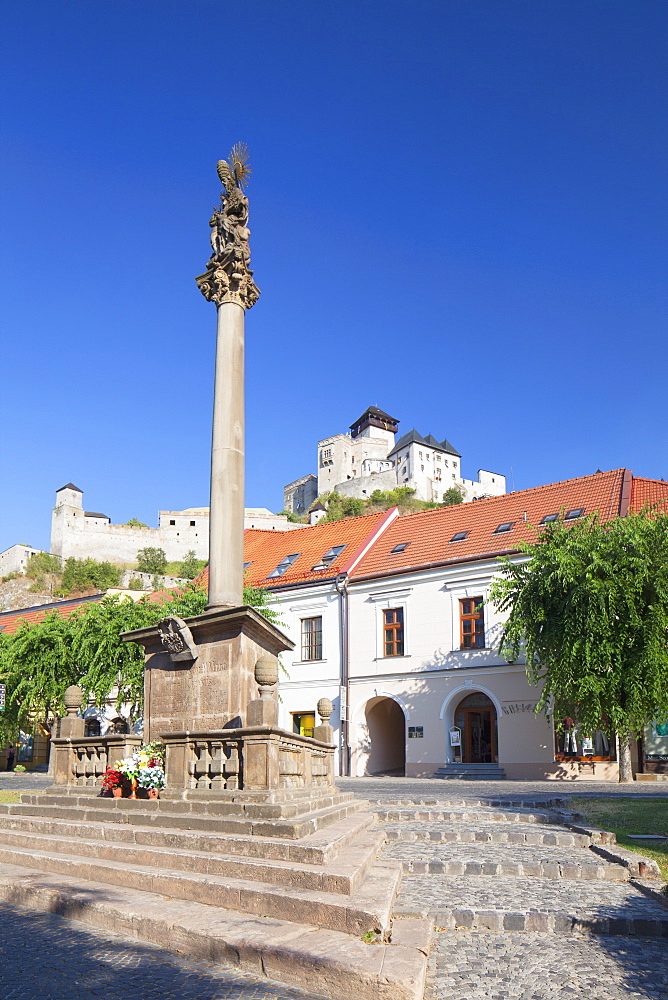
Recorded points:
(203,676)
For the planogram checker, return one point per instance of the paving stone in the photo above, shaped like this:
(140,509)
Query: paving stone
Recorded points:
(466,965)
(46,956)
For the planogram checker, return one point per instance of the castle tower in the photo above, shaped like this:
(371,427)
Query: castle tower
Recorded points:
(374,423)
(69,507)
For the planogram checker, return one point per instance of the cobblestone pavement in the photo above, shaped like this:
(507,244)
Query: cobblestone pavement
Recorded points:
(519,859)
(472,966)
(505,936)
(416,788)
(426,894)
(47,957)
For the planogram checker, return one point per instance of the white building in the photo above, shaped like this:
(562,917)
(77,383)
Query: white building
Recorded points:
(390,620)
(83,534)
(369,458)
(15,559)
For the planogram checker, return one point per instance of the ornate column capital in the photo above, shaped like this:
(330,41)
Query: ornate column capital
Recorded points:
(228,277)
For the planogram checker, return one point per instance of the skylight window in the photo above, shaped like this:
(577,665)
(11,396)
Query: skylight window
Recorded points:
(572,514)
(328,558)
(548,518)
(284,565)
(459,536)
(246,565)
(400,548)
(506,526)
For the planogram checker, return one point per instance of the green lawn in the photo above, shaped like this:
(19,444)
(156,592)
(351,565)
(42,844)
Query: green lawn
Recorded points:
(625,816)
(9,796)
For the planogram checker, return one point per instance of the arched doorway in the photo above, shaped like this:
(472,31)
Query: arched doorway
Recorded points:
(386,728)
(475,716)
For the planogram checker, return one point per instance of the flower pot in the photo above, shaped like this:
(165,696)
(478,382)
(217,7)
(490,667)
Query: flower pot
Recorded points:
(153,793)
(117,792)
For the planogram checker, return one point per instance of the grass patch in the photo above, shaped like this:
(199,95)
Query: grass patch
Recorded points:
(625,816)
(9,796)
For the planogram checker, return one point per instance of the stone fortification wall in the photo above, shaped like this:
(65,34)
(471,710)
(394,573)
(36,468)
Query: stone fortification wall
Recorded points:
(364,486)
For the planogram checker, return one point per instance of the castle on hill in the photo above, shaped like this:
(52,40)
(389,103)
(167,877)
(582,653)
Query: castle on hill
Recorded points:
(84,534)
(371,458)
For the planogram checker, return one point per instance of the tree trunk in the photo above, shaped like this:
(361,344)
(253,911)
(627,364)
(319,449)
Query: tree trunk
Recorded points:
(625,770)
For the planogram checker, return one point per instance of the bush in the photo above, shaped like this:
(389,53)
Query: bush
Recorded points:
(134,523)
(81,574)
(452,496)
(135,583)
(151,560)
(190,566)
(42,563)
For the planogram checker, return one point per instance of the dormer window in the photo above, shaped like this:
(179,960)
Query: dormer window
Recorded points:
(328,558)
(549,518)
(459,536)
(284,565)
(506,526)
(572,514)
(401,547)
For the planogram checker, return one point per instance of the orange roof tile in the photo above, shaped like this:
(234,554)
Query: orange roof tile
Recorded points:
(264,549)
(648,491)
(429,533)
(10,621)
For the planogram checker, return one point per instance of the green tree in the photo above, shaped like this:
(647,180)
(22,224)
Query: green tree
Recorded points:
(134,523)
(41,563)
(589,608)
(452,496)
(191,566)
(82,574)
(151,560)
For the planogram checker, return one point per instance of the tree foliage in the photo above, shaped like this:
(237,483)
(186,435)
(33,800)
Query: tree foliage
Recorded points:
(191,566)
(151,560)
(452,497)
(84,574)
(41,660)
(589,608)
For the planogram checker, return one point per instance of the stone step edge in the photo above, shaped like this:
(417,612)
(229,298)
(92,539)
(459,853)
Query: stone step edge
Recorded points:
(519,869)
(545,921)
(604,843)
(319,848)
(395,836)
(465,816)
(539,804)
(340,877)
(330,963)
(289,829)
(368,909)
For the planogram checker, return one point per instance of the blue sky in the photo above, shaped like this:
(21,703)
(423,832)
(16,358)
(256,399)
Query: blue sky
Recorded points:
(458,212)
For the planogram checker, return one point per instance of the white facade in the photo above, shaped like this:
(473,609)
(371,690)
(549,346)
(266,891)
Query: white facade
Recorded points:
(368,458)
(80,534)
(401,708)
(15,559)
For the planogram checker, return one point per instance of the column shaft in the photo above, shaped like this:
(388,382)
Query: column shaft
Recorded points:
(226,521)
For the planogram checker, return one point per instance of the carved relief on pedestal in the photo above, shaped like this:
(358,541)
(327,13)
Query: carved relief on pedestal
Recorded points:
(228,277)
(177,639)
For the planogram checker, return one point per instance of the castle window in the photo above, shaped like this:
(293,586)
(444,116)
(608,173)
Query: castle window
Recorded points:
(172,522)
(192,524)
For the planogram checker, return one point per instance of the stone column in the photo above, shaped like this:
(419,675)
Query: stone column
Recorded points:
(226,521)
(228,281)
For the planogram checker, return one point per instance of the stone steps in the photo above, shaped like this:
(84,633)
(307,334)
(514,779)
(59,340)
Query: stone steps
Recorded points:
(367,908)
(318,848)
(471,772)
(493,833)
(167,815)
(550,906)
(342,876)
(325,962)
(468,816)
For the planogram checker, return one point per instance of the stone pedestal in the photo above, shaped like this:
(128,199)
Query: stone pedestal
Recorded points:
(72,726)
(211,689)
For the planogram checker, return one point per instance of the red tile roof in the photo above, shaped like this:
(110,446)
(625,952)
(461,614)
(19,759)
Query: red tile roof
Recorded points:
(649,491)
(428,533)
(10,621)
(264,550)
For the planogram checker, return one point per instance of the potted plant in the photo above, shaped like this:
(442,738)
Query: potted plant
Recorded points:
(112,781)
(145,768)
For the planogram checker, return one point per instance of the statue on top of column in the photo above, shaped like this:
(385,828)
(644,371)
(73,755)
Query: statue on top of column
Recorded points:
(228,277)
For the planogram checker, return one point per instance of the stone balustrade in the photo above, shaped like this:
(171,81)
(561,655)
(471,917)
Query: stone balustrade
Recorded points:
(82,760)
(258,758)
